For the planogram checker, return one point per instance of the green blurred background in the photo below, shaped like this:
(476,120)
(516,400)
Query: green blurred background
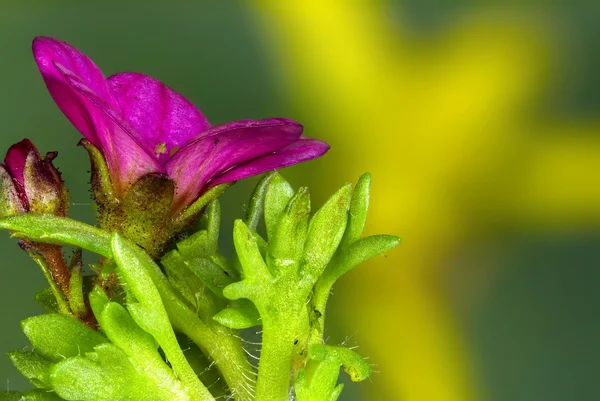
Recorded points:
(479,122)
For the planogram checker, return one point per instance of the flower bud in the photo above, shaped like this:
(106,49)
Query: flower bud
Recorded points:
(30,184)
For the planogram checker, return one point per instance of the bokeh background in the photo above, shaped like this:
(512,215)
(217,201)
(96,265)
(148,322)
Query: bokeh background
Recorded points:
(478,120)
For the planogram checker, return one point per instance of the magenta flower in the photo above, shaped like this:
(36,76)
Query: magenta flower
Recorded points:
(141,126)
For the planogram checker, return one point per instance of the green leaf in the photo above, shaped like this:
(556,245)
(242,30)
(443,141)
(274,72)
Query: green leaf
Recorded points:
(359,205)
(210,273)
(325,231)
(358,252)
(353,364)
(52,229)
(139,346)
(103,375)
(286,246)
(241,316)
(277,196)
(46,299)
(246,246)
(136,269)
(181,277)
(60,336)
(257,201)
(196,245)
(39,395)
(33,366)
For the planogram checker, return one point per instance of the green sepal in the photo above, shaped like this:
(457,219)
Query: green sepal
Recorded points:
(33,366)
(325,232)
(10,204)
(46,299)
(52,229)
(145,213)
(192,213)
(277,196)
(241,316)
(60,336)
(286,245)
(102,187)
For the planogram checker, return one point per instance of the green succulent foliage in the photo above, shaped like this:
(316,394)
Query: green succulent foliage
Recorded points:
(174,333)
(296,266)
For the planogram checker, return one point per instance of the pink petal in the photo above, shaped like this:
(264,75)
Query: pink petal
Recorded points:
(223,147)
(164,119)
(80,90)
(15,159)
(302,150)
(48,53)
(125,156)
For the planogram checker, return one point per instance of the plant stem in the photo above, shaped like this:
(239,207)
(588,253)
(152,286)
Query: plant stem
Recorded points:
(275,360)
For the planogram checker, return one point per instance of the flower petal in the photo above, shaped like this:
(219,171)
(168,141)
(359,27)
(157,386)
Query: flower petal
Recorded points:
(80,90)
(48,53)
(163,118)
(126,158)
(223,147)
(16,157)
(302,150)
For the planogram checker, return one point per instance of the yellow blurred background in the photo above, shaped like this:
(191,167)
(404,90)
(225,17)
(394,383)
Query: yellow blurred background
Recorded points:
(479,123)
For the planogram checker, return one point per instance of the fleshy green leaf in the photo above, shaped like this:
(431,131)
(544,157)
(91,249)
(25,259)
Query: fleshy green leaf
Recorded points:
(359,205)
(52,229)
(103,375)
(257,201)
(47,300)
(353,364)
(277,196)
(325,231)
(196,245)
(139,346)
(210,273)
(242,316)
(39,395)
(246,246)
(358,252)
(150,314)
(286,246)
(33,366)
(60,336)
